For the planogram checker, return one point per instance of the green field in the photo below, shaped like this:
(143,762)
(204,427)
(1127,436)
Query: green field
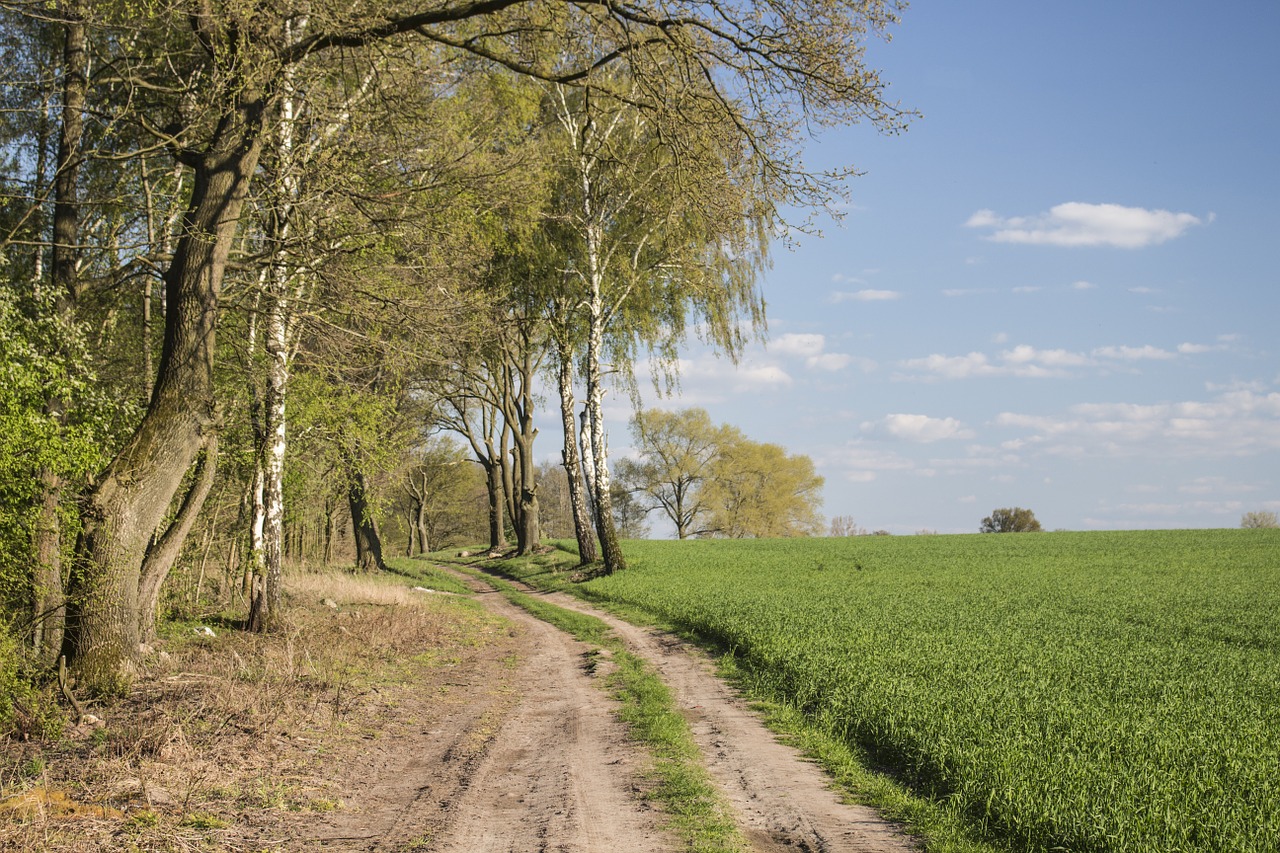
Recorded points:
(1077,691)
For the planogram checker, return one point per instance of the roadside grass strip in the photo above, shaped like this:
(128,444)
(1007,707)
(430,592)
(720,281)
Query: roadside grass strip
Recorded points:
(1108,691)
(680,784)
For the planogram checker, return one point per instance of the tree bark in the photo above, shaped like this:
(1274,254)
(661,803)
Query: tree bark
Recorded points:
(493,485)
(610,551)
(164,552)
(49,599)
(49,608)
(135,491)
(581,516)
(365,530)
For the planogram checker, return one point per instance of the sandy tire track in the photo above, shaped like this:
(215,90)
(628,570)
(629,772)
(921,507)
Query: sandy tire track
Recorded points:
(560,774)
(783,802)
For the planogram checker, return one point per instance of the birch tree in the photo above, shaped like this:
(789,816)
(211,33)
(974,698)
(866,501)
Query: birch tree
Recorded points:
(769,69)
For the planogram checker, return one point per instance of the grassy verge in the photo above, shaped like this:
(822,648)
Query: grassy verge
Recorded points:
(681,785)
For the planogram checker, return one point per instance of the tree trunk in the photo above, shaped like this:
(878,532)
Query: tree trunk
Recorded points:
(417,519)
(49,602)
(264,604)
(368,543)
(510,494)
(421,523)
(581,515)
(135,491)
(493,485)
(610,551)
(164,551)
(331,531)
(49,607)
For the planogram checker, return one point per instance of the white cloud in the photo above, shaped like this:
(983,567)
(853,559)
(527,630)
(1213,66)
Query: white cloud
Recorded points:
(966,291)
(829,361)
(1236,423)
(811,347)
(803,345)
(761,376)
(1200,349)
(860,464)
(954,366)
(839,296)
(1084,285)
(1023,354)
(1076,224)
(1028,362)
(1142,353)
(919,428)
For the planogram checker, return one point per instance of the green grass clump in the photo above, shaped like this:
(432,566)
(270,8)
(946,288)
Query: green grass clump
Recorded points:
(1081,691)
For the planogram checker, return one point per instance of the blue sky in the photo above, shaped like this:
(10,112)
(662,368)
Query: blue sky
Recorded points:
(1057,290)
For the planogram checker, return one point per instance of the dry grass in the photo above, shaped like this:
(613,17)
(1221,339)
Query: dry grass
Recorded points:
(222,731)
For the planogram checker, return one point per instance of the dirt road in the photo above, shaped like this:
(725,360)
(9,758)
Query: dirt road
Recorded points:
(528,756)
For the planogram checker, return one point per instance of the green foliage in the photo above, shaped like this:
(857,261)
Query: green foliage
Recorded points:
(25,707)
(713,481)
(759,491)
(45,368)
(1011,520)
(1080,691)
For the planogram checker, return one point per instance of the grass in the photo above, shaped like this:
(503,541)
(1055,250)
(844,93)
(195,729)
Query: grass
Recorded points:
(237,724)
(680,784)
(1103,691)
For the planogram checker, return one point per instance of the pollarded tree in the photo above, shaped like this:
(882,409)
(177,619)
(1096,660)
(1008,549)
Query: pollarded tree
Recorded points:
(1011,520)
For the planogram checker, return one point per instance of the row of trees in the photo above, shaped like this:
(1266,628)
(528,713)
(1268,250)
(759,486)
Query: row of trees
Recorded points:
(255,253)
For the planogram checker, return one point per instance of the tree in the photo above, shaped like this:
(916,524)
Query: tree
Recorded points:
(1259,519)
(677,452)
(844,525)
(1011,520)
(756,491)
(203,79)
(628,513)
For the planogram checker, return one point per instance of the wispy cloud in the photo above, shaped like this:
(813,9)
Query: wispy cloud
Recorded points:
(803,345)
(954,292)
(831,361)
(812,348)
(1144,353)
(918,428)
(1237,423)
(1028,362)
(838,296)
(1077,224)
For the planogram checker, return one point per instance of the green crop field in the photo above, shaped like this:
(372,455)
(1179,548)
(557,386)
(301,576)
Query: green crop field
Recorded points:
(1077,691)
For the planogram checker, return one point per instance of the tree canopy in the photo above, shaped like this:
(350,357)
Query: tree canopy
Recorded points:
(713,481)
(1011,520)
